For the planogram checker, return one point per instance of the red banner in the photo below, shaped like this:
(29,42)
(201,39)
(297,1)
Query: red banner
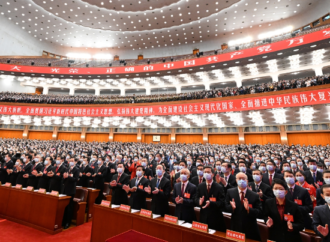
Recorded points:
(273,47)
(321,96)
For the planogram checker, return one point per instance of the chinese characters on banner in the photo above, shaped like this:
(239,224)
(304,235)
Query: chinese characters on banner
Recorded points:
(277,46)
(321,96)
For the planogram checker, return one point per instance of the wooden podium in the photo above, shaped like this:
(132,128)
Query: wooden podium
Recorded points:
(37,210)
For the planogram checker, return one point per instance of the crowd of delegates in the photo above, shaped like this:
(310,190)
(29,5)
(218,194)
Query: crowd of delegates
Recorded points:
(278,183)
(164,97)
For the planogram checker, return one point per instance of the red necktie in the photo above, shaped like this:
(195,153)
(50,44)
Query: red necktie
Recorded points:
(45,169)
(208,188)
(270,179)
(57,168)
(118,178)
(242,198)
(200,180)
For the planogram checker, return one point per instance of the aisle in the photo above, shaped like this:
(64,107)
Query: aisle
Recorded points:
(13,232)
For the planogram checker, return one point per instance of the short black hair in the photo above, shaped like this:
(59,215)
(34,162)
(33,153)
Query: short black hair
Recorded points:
(288,172)
(324,186)
(141,167)
(303,174)
(312,161)
(271,162)
(280,182)
(260,173)
(210,167)
(228,164)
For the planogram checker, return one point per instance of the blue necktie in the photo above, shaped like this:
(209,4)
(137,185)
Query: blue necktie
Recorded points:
(314,177)
(136,182)
(157,184)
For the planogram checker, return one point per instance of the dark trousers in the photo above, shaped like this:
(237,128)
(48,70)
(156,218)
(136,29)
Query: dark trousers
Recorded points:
(68,212)
(99,198)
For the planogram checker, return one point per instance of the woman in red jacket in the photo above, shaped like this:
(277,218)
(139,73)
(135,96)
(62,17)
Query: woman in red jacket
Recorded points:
(300,177)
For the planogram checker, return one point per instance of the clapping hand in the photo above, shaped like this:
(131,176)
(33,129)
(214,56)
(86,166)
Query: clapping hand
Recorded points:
(113,183)
(126,188)
(269,222)
(155,191)
(207,203)
(201,201)
(133,189)
(246,204)
(289,225)
(233,204)
(178,200)
(323,230)
(147,189)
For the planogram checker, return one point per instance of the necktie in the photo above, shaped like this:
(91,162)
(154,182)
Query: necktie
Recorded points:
(136,182)
(200,180)
(208,188)
(45,169)
(57,168)
(291,191)
(182,190)
(157,184)
(270,179)
(118,178)
(314,177)
(242,198)
(257,188)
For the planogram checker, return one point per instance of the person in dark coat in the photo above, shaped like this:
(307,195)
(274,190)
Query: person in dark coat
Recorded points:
(34,176)
(24,173)
(44,179)
(321,215)
(56,176)
(282,216)
(6,165)
(119,195)
(15,172)
(85,173)
(101,172)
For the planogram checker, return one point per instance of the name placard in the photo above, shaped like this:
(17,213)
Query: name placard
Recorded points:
(235,235)
(200,226)
(54,193)
(125,208)
(170,219)
(29,188)
(146,213)
(18,186)
(270,240)
(7,184)
(42,190)
(105,203)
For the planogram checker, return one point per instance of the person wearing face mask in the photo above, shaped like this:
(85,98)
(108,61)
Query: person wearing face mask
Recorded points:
(210,198)
(154,163)
(85,173)
(15,171)
(319,198)
(320,167)
(327,164)
(44,179)
(119,195)
(245,207)
(176,179)
(285,166)
(226,178)
(56,176)
(136,189)
(184,194)
(282,216)
(313,177)
(132,167)
(22,177)
(4,167)
(301,165)
(147,171)
(69,188)
(100,172)
(192,168)
(300,196)
(159,190)
(270,175)
(35,173)
(242,168)
(199,178)
(321,215)
(300,177)
(262,167)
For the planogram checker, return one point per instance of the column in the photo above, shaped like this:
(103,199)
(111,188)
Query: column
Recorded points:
(45,90)
(148,90)
(122,92)
(178,89)
(97,92)
(139,135)
(83,134)
(284,135)
(238,82)
(207,86)
(111,135)
(241,138)
(26,131)
(205,136)
(318,71)
(55,131)
(274,78)
(172,135)
(71,91)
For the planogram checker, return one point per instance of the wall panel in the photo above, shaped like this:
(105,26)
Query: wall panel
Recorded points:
(40,135)
(125,137)
(223,139)
(11,134)
(90,137)
(262,138)
(189,138)
(69,136)
(309,138)
(164,138)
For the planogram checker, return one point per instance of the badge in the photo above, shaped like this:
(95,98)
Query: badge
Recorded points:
(250,205)
(288,217)
(187,195)
(58,174)
(213,199)
(141,186)
(298,201)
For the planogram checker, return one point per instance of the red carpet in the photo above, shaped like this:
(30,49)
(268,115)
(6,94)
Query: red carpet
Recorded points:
(132,235)
(13,232)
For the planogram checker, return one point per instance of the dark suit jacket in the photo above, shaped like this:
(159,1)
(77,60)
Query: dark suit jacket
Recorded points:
(267,192)
(4,177)
(138,198)
(13,176)
(33,180)
(265,177)
(159,203)
(321,216)
(25,170)
(310,180)
(319,198)
(185,211)
(241,220)
(307,204)
(84,180)
(56,181)
(279,230)
(195,180)
(44,179)
(70,182)
(119,195)
(212,215)
(101,173)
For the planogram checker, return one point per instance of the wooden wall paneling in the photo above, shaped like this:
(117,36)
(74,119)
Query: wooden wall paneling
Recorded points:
(90,137)
(189,138)
(262,138)
(8,134)
(309,138)
(125,137)
(69,136)
(164,138)
(223,139)
(41,135)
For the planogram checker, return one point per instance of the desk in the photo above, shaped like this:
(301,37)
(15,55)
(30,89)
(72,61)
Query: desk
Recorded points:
(108,222)
(40,211)
(92,195)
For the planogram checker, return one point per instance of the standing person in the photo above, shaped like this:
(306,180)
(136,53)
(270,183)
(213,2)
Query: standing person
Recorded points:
(15,171)
(245,207)
(69,188)
(301,181)
(282,216)
(119,195)
(210,197)
(56,176)
(184,194)
(7,165)
(101,172)
(321,215)
(159,189)
(85,173)
(34,176)
(22,177)
(44,180)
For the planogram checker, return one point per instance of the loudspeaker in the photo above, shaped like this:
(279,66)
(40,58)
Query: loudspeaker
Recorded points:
(8,61)
(69,65)
(32,63)
(49,64)
(163,60)
(148,62)
(201,53)
(215,52)
(87,65)
(237,48)
(110,64)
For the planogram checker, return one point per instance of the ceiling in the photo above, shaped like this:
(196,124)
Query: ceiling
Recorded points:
(145,24)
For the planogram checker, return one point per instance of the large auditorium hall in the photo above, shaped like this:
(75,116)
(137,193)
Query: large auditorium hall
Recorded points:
(165,120)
